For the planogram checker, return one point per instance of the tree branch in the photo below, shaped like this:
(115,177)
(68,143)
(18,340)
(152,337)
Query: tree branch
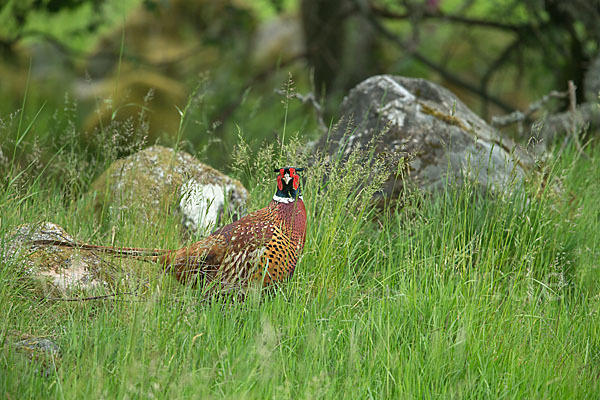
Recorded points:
(498,62)
(520,116)
(450,77)
(389,14)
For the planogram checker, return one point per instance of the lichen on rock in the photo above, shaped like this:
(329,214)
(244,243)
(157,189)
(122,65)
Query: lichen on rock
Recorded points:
(159,181)
(55,271)
(423,123)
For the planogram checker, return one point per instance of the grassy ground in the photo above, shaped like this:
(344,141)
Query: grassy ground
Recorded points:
(462,295)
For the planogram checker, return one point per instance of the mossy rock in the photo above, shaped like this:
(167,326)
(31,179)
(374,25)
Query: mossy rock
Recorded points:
(158,181)
(53,271)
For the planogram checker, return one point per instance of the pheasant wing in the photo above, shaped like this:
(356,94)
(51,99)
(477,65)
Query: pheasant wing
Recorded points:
(229,255)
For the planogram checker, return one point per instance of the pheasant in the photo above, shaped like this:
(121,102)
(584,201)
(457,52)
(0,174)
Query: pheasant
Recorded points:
(263,247)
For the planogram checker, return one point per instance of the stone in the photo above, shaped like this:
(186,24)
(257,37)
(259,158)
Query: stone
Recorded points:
(37,345)
(56,271)
(157,180)
(44,351)
(426,126)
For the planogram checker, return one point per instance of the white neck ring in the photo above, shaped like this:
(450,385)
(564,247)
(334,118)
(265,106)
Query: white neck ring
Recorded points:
(285,200)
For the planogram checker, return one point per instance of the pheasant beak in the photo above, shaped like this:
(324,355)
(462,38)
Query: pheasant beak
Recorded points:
(287,178)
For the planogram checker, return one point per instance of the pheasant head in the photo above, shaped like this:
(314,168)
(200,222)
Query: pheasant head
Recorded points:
(288,184)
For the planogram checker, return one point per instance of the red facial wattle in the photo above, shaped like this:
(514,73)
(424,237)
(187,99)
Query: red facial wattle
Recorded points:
(296,177)
(280,180)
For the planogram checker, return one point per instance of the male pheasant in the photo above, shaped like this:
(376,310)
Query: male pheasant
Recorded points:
(262,247)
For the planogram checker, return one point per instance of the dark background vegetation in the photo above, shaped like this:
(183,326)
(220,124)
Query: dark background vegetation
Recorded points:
(95,75)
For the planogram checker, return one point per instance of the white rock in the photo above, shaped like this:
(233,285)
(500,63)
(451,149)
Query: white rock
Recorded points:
(202,204)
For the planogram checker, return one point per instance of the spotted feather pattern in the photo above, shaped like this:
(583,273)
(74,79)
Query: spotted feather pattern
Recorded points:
(261,247)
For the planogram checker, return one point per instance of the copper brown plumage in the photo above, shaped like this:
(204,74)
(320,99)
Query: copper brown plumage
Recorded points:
(263,247)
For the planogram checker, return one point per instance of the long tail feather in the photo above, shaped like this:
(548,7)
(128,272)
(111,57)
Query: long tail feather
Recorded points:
(134,252)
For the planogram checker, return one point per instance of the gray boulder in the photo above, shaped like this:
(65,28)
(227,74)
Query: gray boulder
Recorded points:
(427,126)
(157,180)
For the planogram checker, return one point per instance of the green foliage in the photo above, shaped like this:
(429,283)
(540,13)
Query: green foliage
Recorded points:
(460,295)
(74,24)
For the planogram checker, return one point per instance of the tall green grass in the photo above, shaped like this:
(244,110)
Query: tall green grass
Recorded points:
(463,294)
